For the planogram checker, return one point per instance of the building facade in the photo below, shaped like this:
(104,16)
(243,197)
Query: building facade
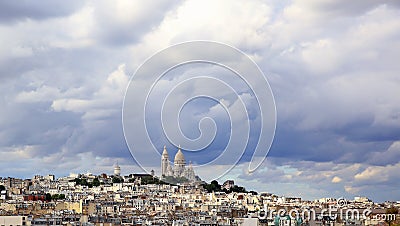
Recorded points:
(117,170)
(179,168)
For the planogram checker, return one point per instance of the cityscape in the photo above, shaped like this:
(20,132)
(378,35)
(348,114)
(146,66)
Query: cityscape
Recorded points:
(148,199)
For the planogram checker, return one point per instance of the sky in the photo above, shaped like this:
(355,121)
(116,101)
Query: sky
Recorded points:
(332,67)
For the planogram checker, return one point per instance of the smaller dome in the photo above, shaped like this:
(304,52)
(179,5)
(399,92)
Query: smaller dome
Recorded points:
(116,166)
(117,169)
(165,153)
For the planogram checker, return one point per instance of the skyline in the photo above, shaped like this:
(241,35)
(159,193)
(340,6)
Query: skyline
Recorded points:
(332,67)
(115,171)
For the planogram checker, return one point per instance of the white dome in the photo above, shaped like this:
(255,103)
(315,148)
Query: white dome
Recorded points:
(117,170)
(179,157)
(165,152)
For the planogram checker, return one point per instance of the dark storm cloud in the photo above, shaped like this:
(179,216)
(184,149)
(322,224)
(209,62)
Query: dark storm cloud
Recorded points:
(14,11)
(332,65)
(349,8)
(125,22)
(365,132)
(104,138)
(349,143)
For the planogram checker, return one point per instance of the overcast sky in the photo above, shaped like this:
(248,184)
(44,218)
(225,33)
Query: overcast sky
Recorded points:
(333,67)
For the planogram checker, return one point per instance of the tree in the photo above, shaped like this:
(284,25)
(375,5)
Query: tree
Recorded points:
(48,197)
(84,182)
(213,186)
(96,182)
(77,181)
(238,189)
(116,180)
(215,183)
(57,196)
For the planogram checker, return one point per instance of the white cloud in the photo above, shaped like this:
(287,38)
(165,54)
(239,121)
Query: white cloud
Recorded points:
(106,99)
(333,67)
(336,179)
(43,93)
(379,174)
(240,24)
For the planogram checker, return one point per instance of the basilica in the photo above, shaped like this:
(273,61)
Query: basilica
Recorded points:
(179,168)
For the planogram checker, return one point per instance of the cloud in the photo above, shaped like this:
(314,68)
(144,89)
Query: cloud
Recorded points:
(336,179)
(242,25)
(332,66)
(386,157)
(125,22)
(378,174)
(344,8)
(11,11)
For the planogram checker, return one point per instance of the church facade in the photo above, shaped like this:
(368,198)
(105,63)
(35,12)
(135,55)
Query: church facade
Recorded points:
(179,168)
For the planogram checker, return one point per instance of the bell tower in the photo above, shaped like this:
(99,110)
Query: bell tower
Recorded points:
(164,162)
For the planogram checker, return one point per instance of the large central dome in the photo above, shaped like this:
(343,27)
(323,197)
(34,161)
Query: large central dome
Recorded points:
(179,157)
